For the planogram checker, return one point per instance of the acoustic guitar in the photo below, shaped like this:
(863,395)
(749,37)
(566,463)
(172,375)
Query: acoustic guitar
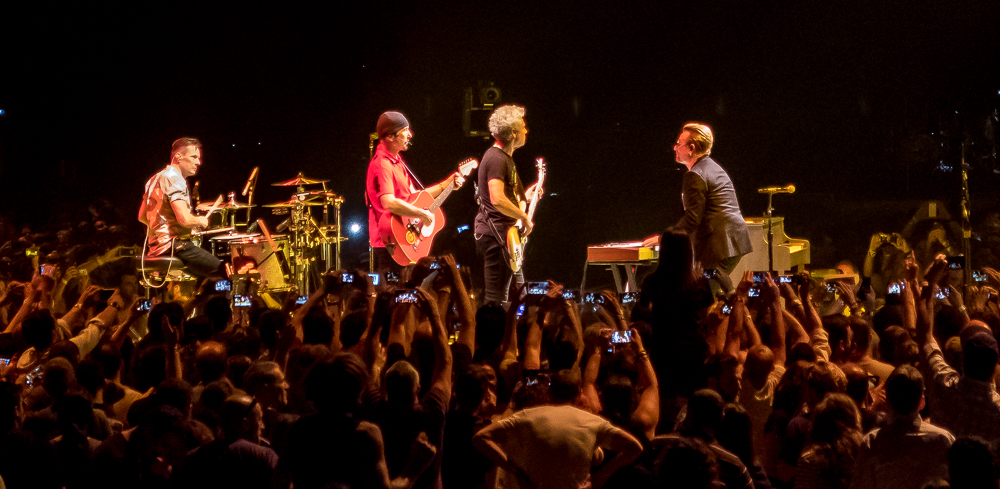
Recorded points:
(408,238)
(516,242)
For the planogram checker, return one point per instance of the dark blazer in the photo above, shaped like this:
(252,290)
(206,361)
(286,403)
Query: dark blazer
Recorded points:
(712,214)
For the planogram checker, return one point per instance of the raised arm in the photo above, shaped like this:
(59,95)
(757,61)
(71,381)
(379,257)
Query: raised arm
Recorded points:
(441,379)
(466,309)
(647,413)
(778,327)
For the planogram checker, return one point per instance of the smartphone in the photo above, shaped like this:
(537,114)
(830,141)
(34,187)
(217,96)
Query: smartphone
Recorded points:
(786,279)
(727,309)
(956,262)
(621,336)
(535,288)
(593,298)
(347,278)
(571,295)
(979,276)
(391,278)
(241,301)
(758,277)
(4,362)
(754,291)
(710,274)
(896,288)
(374,278)
(145,305)
(301,300)
(628,297)
(35,376)
(520,310)
(407,296)
(436,264)
(223,285)
(943,293)
(46,269)
(831,287)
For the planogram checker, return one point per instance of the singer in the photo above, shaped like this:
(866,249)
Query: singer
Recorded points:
(712,216)
(389,184)
(166,211)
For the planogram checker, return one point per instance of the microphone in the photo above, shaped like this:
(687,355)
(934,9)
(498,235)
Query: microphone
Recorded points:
(253,174)
(787,189)
(373,136)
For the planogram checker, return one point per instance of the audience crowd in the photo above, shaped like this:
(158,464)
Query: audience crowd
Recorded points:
(784,382)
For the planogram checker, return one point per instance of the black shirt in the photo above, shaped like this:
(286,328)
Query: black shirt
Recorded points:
(496,165)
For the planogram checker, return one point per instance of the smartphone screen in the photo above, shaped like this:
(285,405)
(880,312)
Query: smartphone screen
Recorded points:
(628,297)
(621,336)
(535,288)
(301,299)
(241,301)
(4,362)
(943,293)
(786,279)
(979,276)
(956,262)
(571,295)
(593,298)
(711,273)
(391,277)
(896,288)
(754,291)
(726,309)
(436,264)
(223,286)
(145,305)
(347,278)
(758,277)
(406,296)
(374,278)
(520,310)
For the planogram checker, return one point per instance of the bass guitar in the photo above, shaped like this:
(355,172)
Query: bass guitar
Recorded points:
(408,238)
(515,241)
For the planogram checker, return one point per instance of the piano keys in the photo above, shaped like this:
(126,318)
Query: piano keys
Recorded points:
(629,255)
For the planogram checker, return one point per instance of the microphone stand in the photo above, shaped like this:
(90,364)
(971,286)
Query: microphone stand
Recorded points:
(966,226)
(770,191)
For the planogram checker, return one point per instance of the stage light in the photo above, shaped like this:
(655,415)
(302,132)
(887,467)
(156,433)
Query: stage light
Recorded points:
(355,228)
(3,112)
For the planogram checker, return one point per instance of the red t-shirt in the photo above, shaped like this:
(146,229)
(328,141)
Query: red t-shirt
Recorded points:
(386,176)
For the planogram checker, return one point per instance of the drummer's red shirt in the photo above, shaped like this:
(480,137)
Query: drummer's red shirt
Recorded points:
(386,176)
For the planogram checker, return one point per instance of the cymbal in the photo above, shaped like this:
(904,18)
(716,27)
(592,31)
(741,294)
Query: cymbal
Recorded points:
(298,180)
(293,203)
(204,206)
(317,193)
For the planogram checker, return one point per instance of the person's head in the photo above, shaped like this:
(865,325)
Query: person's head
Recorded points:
(175,393)
(824,378)
(565,386)
(758,365)
(694,141)
(110,358)
(272,321)
(861,335)
(241,418)
(736,432)
(979,352)
(402,383)
(317,328)
(835,417)
(265,382)
(507,125)
(904,389)
(37,329)
(210,361)
(90,376)
(971,464)
(618,398)
(858,383)
(335,386)
(686,462)
(74,413)
(704,415)
(185,154)
(394,131)
(948,322)
(174,313)
(219,313)
(58,377)
(473,392)
(840,334)
(725,373)
(677,262)
(352,327)
(236,369)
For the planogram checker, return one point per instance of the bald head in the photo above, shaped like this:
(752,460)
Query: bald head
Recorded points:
(210,361)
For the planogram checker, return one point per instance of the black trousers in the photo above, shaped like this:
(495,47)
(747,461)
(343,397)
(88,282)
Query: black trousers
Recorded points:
(496,272)
(199,262)
(385,263)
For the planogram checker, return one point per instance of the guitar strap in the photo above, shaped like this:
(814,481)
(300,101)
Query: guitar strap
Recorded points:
(390,246)
(493,228)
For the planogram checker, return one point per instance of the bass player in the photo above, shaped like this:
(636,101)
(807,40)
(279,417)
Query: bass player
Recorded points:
(390,183)
(499,193)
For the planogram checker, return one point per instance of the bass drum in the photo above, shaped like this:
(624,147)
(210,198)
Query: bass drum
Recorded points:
(256,254)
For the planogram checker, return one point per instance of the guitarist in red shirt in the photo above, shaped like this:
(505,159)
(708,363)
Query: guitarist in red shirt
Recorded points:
(502,202)
(389,185)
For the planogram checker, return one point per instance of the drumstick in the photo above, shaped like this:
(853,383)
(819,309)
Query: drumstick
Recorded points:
(267,234)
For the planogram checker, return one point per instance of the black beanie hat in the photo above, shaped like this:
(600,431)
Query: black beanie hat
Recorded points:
(390,123)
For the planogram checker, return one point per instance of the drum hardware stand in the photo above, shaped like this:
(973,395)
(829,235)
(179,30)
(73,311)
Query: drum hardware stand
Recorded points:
(966,225)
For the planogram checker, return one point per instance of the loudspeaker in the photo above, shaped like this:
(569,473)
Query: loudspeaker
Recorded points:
(271,264)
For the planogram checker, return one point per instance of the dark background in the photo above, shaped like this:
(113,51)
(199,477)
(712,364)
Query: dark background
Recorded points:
(863,105)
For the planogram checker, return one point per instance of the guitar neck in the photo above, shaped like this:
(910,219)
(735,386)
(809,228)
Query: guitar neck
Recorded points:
(441,197)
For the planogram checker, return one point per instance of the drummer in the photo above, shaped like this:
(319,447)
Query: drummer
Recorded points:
(166,212)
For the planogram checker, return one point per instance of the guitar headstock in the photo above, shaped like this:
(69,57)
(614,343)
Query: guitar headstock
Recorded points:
(466,166)
(540,163)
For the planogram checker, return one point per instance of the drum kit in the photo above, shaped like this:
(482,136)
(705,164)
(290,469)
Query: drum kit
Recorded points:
(302,251)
